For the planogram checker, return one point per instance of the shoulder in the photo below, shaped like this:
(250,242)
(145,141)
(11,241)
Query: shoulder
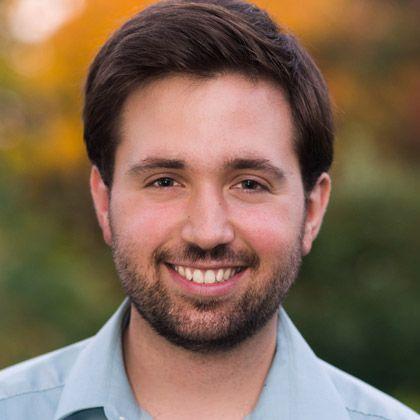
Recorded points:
(363,401)
(34,387)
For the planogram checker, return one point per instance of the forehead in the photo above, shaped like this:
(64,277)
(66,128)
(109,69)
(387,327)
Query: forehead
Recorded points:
(206,121)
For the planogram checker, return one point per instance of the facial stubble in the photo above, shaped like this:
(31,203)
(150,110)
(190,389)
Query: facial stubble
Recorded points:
(205,325)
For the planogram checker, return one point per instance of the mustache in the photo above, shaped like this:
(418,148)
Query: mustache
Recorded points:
(220,253)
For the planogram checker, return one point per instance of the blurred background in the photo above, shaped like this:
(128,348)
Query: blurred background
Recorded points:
(356,301)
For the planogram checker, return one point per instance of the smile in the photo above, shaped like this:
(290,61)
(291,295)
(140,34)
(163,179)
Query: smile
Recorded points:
(207,276)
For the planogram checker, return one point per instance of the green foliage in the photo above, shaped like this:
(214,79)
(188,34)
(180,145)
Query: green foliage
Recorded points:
(356,301)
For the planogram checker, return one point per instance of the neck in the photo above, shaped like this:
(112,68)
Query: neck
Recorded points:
(171,382)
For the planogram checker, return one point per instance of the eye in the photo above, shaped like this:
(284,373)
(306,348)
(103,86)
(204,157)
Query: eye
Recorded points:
(164,182)
(251,185)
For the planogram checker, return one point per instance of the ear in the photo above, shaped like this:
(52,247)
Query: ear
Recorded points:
(316,205)
(101,195)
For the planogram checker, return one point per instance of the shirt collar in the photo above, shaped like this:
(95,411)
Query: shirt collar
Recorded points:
(297,387)
(98,378)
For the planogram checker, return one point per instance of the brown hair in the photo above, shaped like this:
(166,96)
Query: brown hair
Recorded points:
(206,38)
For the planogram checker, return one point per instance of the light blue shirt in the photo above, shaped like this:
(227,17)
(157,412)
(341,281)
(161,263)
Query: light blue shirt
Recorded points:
(87,380)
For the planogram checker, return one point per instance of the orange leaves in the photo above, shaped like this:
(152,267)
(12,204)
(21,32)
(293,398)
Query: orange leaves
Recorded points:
(361,47)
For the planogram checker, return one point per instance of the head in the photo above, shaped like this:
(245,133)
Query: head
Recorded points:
(210,134)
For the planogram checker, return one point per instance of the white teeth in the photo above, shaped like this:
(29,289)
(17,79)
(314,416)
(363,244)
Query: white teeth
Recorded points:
(209,276)
(227,274)
(188,273)
(198,276)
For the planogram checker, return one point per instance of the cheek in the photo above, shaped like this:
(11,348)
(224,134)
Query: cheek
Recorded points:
(270,230)
(148,226)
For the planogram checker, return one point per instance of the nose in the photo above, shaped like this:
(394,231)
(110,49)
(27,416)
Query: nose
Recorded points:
(207,223)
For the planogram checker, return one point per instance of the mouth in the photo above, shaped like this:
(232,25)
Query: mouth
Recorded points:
(205,275)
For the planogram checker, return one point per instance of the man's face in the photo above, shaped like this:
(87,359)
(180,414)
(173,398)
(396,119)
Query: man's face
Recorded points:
(206,214)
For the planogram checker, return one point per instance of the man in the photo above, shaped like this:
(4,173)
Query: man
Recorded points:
(210,135)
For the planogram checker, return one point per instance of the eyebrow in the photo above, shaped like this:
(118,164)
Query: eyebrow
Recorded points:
(156,163)
(255,164)
(234,164)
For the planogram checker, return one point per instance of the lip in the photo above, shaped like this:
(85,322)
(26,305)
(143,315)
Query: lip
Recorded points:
(206,267)
(205,289)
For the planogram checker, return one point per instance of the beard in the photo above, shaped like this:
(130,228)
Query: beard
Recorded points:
(205,325)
